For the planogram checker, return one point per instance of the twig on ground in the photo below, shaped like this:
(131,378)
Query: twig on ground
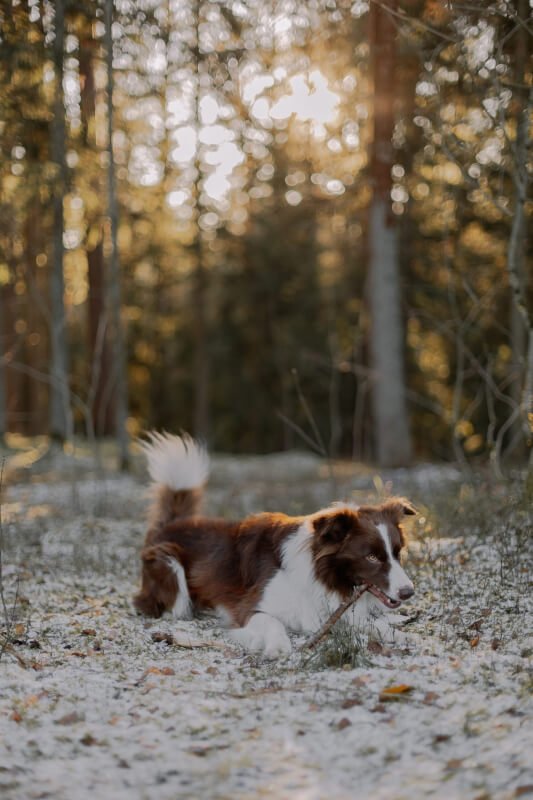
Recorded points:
(335,617)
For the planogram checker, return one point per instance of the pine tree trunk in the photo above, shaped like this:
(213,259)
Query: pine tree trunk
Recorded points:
(391,424)
(521,388)
(59,390)
(201,357)
(102,403)
(201,345)
(114,294)
(526,406)
(101,400)
(3,370)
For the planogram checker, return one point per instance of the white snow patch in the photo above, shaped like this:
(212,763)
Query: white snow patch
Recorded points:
(130,717)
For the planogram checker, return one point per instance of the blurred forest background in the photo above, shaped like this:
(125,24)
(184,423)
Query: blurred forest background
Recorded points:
(273,223)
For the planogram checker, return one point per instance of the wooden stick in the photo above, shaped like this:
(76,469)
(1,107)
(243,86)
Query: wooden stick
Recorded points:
(335,617)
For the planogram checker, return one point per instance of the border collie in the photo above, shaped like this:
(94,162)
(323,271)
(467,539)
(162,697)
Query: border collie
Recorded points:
(269,572)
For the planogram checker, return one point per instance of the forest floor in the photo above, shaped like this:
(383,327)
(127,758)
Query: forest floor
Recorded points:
(96,702)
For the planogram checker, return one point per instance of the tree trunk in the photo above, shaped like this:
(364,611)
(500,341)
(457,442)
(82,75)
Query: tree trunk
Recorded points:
(101,400)
(35,393)
(521,388)
(391,425)
(201,350)
(114,294)
(59,421)
(3,370)
(201,356)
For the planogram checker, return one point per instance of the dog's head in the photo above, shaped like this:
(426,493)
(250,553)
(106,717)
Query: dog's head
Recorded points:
(363,545)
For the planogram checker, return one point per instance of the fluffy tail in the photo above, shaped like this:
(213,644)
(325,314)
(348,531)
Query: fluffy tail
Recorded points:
(178,467)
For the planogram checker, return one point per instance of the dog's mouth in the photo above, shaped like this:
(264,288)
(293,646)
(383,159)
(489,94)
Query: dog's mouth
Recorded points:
(384,598)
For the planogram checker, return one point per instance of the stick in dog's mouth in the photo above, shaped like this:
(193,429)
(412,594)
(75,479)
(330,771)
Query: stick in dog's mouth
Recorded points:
(384,598)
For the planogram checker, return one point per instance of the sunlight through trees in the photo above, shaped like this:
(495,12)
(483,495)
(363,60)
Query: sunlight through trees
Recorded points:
(275,224)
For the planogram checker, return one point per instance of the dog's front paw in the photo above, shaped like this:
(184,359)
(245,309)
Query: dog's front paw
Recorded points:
(263,634)
(277,645)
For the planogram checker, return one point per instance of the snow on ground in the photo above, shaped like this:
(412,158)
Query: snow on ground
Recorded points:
(93,705)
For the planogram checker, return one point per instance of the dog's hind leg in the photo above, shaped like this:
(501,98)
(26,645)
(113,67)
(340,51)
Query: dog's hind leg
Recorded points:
(164,587)
(182,608)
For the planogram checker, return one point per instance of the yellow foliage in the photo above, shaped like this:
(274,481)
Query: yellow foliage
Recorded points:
(464,428)
(474,443)
(4,274)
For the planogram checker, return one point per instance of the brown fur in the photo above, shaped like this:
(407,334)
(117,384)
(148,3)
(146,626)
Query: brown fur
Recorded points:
(227,564)
(344,536)
(168,504)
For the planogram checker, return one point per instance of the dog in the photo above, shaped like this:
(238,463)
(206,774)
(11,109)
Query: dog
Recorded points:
(268,573)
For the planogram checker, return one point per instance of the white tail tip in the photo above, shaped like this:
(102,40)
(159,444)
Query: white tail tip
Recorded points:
(179,462)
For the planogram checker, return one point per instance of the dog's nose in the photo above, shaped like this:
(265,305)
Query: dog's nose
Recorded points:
(406,592)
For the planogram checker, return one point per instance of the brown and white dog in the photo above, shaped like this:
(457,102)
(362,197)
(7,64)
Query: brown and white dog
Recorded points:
(269,572)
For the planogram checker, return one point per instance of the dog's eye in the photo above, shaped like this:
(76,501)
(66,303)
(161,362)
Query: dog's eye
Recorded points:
(374,559)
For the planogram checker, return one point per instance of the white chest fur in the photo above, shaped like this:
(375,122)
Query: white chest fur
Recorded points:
(293,595)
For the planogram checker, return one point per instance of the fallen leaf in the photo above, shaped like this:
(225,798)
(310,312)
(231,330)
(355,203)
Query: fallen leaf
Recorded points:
(342,724)
(350,702)
(88,740)
(21,662)
(362,680)
(441,737)
(88,632)
(395,692)
(376,648)
(16,716)
(204,750)
(94,612)
(156,671)
(70,719)
(520,791)
(474,641)
(454,763)
(253,733)
(20,629)
(31,700)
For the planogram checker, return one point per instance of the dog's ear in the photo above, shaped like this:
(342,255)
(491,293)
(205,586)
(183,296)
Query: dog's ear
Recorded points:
(334,528)
(397,508)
